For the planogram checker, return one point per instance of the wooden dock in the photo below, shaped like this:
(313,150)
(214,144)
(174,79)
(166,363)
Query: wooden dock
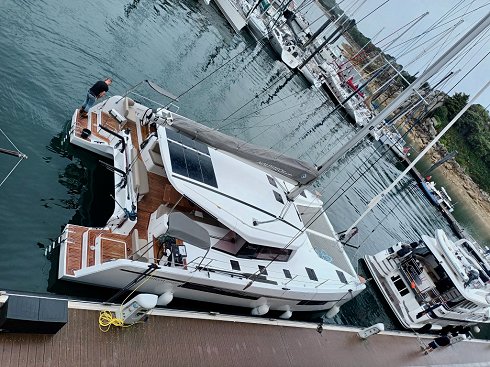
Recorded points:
(458,230)
(180,338)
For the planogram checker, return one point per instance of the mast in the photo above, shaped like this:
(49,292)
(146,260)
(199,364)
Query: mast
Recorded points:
(426,75)
(372,204)
(324,43)
(317,33)
(416,20)
(323,26)
(363,47)
(13,153)
(254,6)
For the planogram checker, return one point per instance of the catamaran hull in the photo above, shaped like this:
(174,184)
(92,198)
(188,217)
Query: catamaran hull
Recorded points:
(113,256)
(201,289)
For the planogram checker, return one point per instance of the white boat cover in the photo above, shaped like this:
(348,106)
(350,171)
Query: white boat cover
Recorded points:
(289,168)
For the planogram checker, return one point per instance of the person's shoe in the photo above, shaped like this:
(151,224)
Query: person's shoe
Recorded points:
(83,114)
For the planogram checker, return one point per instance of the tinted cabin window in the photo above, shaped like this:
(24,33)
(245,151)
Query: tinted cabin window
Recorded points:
(311,303)
(278,197)
(272,181)
(235,265)
(311,274)
(341,276)
(235,245)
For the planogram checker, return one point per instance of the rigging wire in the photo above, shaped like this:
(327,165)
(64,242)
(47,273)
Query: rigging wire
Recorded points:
(11,171)
(293,73)
(325,207)
(21,156)
(442,45)
(260,41)
(400,199)
(256,111)
(10,141)
(481,60)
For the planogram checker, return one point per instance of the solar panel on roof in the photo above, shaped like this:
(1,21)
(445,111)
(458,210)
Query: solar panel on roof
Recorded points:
(187,142)
(190,158)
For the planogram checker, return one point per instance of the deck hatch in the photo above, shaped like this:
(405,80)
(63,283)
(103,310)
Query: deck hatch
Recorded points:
(287,273)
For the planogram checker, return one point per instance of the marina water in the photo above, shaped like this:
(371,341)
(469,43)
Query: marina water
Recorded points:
(52,52)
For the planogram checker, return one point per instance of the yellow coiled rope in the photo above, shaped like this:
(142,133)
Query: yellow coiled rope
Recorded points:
(108,318)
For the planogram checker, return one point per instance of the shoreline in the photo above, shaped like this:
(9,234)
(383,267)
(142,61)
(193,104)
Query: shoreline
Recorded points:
(468,193)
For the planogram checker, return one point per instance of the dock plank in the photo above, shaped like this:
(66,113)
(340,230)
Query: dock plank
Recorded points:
(180,341)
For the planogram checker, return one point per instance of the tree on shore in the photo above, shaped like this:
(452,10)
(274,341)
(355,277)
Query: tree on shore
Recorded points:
(470,136)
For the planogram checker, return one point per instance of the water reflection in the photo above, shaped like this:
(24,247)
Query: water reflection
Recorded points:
(177,44)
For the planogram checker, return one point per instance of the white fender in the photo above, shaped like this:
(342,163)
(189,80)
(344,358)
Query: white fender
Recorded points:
(260,310)
(165,298)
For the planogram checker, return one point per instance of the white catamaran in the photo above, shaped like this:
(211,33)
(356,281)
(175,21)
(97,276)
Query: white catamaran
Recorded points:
(204,216)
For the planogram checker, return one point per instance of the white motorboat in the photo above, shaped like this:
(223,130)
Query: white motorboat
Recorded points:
(283,43)
(445,200)
(438,197)
(435,281)
(198,218)
(392,139)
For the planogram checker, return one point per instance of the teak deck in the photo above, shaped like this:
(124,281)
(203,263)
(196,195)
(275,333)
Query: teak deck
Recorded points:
(117,246)
(180,341)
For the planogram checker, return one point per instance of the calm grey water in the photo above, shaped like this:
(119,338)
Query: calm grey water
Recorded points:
(52,51)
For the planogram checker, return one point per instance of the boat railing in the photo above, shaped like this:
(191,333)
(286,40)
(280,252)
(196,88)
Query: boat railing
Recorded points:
(246,272)
(429,295)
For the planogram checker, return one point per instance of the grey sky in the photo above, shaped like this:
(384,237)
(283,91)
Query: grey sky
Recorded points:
(396,13)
